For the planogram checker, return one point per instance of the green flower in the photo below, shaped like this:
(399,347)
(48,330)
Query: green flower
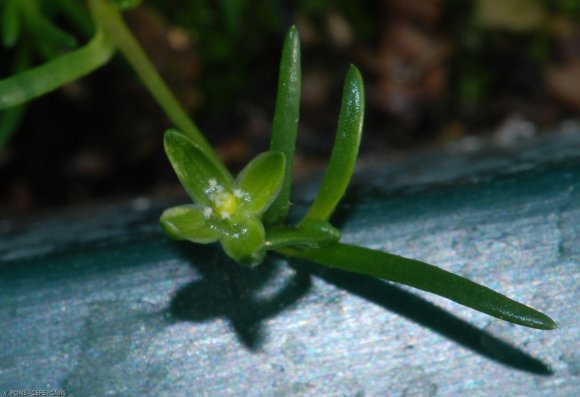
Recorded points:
(224,209)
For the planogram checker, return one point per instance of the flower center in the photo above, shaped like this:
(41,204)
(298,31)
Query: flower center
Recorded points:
(224,204)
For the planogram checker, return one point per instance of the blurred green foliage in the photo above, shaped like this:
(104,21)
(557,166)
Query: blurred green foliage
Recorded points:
(227,34)
(30,34)
(230,36)
(235,41)
(355,12)
(489,36)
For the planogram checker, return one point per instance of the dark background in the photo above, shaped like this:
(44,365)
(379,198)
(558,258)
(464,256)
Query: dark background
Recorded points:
(443,75)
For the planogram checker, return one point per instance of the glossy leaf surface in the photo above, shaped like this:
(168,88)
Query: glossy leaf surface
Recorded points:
(345,149)
(285,124)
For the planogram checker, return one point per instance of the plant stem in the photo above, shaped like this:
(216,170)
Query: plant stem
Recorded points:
(47,77)
(109,16)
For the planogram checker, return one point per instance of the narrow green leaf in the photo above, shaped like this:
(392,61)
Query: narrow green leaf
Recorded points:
(244,241)
(425,277)
(194,168)
(345,150)
(285,124)
(40,80)
(187,222)
(261,179)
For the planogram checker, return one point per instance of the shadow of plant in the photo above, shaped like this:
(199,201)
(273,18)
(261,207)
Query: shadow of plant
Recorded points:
(407,304)
(227,290)
(420,311)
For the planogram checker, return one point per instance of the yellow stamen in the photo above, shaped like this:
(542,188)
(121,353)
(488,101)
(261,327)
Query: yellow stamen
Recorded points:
(226,203)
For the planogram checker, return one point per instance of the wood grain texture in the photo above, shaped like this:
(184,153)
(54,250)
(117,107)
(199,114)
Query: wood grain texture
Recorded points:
(100,302)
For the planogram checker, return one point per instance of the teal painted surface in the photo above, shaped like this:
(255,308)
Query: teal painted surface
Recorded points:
(100,302)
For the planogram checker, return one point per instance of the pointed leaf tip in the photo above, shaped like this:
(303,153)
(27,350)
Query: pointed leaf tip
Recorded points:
(426,277)
(292,31)
(345,151)
(285,123)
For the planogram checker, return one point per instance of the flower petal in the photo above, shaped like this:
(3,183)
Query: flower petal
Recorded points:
(188,222)
(244,241)
(194,167)
(261,180)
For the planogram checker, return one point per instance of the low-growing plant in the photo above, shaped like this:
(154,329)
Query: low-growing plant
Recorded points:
(248,215)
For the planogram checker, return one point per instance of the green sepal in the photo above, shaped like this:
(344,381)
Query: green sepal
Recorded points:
(194,167)
(244,241)
(261,179)
(187,222)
